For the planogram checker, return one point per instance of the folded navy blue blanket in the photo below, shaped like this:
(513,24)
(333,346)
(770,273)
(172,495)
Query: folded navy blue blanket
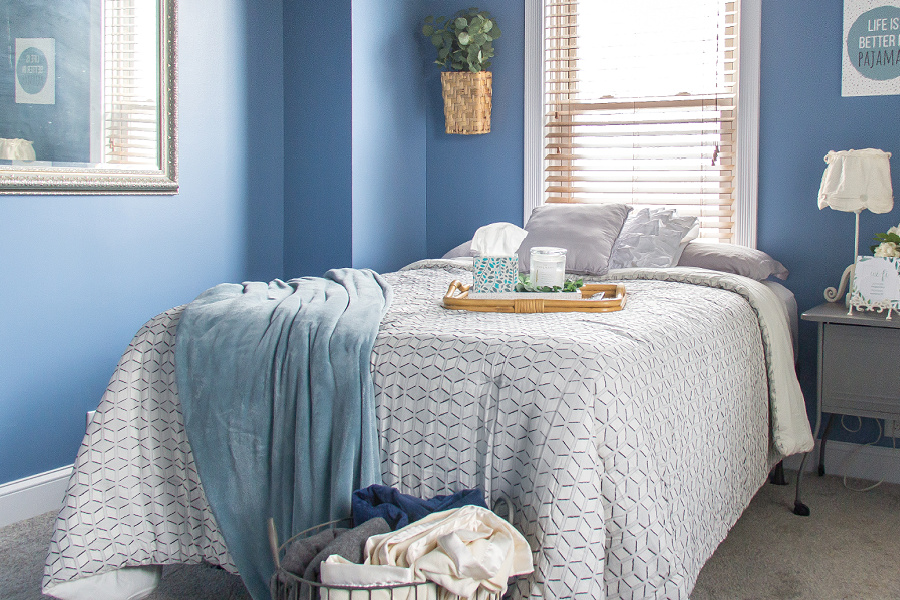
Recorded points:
(279,406)
(399,510)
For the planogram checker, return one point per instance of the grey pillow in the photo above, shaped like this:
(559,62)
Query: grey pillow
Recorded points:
(730,258)
(464,249)
(586,231)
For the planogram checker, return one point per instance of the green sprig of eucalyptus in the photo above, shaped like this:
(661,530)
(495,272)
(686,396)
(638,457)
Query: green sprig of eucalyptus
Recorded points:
(525,285)
(464,42)
(885,237)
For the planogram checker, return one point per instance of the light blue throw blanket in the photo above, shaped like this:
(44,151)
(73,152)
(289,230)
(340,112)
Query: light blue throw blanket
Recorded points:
(276,387)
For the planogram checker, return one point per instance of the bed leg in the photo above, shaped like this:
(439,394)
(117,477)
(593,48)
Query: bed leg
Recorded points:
(800,509)
(822,444)
(777,475)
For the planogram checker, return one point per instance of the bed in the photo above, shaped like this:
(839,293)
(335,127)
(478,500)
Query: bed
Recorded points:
(629,442)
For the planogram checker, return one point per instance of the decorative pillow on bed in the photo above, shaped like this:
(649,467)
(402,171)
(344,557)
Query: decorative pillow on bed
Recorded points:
(463,250)
(653,238)
(587,231)
(731,258)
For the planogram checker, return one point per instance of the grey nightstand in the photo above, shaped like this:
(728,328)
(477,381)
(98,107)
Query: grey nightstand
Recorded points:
(858,373)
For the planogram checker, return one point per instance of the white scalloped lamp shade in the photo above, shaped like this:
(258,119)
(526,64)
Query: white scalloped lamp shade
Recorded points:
(857,180)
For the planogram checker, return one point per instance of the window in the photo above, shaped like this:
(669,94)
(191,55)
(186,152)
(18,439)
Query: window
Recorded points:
(130,84)
(642,103)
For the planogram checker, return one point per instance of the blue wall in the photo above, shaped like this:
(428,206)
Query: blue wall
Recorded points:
(371,179)
(81,274)
(803,117)
(388,154)
(354,136)
(473,180)
(317,136)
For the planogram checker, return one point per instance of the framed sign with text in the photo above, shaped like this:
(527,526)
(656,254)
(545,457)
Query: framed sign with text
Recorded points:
(871,48)
(876,284)
(35,71)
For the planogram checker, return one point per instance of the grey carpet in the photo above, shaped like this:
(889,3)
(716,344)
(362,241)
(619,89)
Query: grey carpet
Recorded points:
(23,548)
(849,548)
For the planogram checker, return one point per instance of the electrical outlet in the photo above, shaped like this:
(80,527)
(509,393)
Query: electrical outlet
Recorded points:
(892,428)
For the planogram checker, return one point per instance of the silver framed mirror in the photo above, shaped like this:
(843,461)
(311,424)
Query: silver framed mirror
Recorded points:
(88,97)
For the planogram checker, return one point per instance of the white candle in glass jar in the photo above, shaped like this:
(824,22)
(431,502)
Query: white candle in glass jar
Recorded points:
(548,266)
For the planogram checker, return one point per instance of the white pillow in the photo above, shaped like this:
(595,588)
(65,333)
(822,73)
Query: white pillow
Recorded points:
(653,238)
(692,234)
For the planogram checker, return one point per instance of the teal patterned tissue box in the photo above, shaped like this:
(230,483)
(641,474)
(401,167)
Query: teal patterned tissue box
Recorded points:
(495,274)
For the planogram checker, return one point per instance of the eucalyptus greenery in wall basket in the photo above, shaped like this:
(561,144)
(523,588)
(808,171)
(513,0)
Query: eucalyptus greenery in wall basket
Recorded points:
(465,46)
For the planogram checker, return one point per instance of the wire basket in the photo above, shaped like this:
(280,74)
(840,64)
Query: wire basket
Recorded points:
(467,101)
(289,586)
(285,585)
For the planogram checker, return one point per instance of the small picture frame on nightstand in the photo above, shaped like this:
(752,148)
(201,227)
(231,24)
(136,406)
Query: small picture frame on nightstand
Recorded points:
(876,285)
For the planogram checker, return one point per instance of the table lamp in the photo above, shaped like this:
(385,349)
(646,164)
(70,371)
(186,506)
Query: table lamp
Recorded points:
(853,181)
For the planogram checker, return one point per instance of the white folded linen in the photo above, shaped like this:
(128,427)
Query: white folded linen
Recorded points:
(464,550)
(337,570)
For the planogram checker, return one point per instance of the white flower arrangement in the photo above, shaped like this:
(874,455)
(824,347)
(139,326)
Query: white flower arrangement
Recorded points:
(887,250)
(889,246)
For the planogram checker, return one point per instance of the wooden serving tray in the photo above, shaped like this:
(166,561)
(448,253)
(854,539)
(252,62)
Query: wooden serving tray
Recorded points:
(457,298)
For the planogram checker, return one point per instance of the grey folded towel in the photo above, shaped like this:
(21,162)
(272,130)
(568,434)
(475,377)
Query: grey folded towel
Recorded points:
(301,552)
(350,544)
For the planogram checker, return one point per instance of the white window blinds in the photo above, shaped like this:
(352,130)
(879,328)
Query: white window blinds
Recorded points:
(640,106)
(129,85)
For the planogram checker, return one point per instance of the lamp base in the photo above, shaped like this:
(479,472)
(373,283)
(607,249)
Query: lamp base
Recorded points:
(837,294)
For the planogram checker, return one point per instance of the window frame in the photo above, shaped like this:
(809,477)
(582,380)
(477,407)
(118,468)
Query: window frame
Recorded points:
(747,159)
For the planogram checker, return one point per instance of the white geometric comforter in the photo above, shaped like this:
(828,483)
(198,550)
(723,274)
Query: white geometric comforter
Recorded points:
(629,442)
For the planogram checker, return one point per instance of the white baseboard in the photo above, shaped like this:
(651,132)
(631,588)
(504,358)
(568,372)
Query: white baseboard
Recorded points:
(33,496)
(873,463)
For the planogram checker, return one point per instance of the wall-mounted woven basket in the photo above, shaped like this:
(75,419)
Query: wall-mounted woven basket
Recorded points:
(467,101)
